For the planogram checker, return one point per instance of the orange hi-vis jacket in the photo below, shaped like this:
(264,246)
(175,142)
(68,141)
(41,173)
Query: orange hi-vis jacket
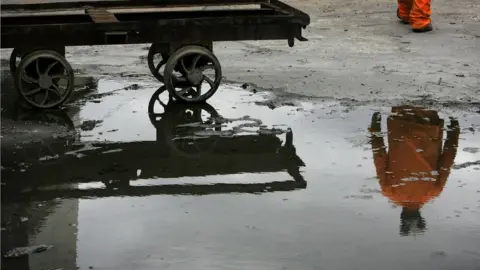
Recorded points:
(415,169)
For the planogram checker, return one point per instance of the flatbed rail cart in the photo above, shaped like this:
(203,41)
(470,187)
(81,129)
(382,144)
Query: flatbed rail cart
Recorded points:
(181,32)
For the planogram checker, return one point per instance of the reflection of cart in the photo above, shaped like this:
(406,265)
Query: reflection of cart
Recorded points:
(178,152)
(181,31)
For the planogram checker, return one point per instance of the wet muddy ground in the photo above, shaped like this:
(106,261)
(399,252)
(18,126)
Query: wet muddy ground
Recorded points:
(330,159)
(251,180)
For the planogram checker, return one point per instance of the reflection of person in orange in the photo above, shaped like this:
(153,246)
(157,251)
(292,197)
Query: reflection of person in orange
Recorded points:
(416,168)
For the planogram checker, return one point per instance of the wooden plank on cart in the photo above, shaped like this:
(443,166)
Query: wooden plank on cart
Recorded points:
(100,15)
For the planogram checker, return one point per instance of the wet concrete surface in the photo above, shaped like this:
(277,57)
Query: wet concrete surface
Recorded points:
(309,163)
(123,179)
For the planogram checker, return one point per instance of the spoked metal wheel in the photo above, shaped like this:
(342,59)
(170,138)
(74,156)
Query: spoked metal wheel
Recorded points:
(192,74)
(156,62)
(15,59)
(44,79)
(155,116)
(18,54)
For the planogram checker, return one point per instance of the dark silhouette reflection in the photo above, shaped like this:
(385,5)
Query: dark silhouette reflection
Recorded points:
(44,176)
(411,221)
(30,135)
(192,140)
(415,168)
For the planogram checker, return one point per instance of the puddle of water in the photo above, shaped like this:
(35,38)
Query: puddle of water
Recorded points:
(239,185)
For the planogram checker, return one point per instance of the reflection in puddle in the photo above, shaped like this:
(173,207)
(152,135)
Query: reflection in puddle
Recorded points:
(191,141)
(416,166)
(101,196)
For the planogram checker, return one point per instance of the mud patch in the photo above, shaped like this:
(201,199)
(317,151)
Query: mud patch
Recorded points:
(471,150)
(89,125)
(24,251)
(466,165)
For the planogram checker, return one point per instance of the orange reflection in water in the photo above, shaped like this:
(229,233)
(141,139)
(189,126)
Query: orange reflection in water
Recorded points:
(415,167)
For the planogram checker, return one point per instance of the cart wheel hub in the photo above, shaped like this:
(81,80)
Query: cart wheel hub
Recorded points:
(45,81)
(195,77)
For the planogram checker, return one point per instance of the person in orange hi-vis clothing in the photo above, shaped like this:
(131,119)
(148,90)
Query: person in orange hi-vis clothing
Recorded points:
(416,13)
(416,168)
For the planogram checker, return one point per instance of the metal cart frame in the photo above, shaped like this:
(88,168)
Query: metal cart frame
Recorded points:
(182,33)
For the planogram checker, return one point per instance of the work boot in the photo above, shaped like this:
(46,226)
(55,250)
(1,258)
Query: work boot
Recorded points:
(427,28)
(402,20)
